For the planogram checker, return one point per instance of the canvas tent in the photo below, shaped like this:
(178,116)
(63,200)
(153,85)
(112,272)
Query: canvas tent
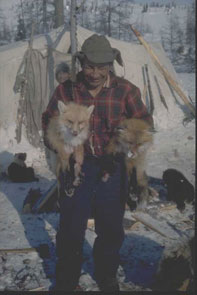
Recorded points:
(50,50)
(47,52)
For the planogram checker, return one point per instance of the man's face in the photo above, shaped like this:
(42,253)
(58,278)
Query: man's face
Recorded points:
(62,77)
(95,74)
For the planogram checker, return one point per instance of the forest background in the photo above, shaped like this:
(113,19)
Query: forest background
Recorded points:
(170,22)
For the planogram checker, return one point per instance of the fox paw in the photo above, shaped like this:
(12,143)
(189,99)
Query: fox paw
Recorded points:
(78,179)
(105,177)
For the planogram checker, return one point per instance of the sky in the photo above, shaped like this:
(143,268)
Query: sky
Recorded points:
(6,6)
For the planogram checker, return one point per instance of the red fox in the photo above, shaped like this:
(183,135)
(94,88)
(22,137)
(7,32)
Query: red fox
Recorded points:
(132,138)
(67,133)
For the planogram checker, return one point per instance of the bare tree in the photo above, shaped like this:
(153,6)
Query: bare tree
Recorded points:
(73,36)
(44,13)
(59,13)
(109,16)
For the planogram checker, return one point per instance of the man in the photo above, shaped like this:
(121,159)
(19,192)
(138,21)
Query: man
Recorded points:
(113,98)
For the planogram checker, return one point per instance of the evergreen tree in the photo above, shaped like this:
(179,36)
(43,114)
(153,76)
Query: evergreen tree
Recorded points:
(145,8)
(21,31)
(190,38)
(172,39)
(46,14)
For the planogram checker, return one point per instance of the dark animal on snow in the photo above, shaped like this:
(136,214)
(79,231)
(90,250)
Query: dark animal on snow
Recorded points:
(18,171)
(179,189)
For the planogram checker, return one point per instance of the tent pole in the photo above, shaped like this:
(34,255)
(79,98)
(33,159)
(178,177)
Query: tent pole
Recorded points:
(73,37)
(166,74)
(149,90)
(160,93)
(145,93)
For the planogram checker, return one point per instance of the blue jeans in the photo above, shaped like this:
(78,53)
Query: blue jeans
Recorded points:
(107,202)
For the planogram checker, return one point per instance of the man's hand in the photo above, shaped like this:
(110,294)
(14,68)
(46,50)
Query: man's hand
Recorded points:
(107,166)
(105,177)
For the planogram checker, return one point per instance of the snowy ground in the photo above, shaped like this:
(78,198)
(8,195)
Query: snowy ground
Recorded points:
(173,148)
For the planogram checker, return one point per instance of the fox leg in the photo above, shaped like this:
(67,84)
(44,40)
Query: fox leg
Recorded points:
(132,184)
(142,184)
(138,183)
(63,158)
(79,157)
(62,163)
(111,147)
(110,151)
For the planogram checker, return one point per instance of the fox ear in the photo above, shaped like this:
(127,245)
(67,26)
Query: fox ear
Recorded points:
(90,110)
(61,106)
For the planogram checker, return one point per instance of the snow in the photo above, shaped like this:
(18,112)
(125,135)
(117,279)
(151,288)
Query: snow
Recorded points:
(173,148)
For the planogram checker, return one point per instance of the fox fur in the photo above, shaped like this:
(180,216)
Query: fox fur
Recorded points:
(133,138)
(67,133)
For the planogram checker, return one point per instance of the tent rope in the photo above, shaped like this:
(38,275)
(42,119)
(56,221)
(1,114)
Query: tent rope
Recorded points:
(20,112)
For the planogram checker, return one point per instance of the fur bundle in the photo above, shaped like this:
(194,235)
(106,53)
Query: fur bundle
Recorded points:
(67,133)
(133,138)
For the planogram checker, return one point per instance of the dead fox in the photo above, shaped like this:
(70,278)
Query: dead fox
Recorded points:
(67,133)
(133,137)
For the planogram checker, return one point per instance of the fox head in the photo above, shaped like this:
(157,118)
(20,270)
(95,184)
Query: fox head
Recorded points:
(74,118)
(134,136)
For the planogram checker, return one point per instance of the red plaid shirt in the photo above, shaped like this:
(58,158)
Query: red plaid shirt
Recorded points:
(115,101)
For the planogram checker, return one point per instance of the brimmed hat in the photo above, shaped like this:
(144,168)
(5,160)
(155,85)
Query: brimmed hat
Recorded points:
(97,49)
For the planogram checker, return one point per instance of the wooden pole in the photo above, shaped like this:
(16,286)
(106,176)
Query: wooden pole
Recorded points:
(149,90)
(145,94)
(44,198)
(20,250)
(160,93)
(152,224)
(73,38)
(37,289)
(166,74)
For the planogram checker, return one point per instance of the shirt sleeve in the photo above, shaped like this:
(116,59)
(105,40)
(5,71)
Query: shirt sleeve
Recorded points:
(135,107)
